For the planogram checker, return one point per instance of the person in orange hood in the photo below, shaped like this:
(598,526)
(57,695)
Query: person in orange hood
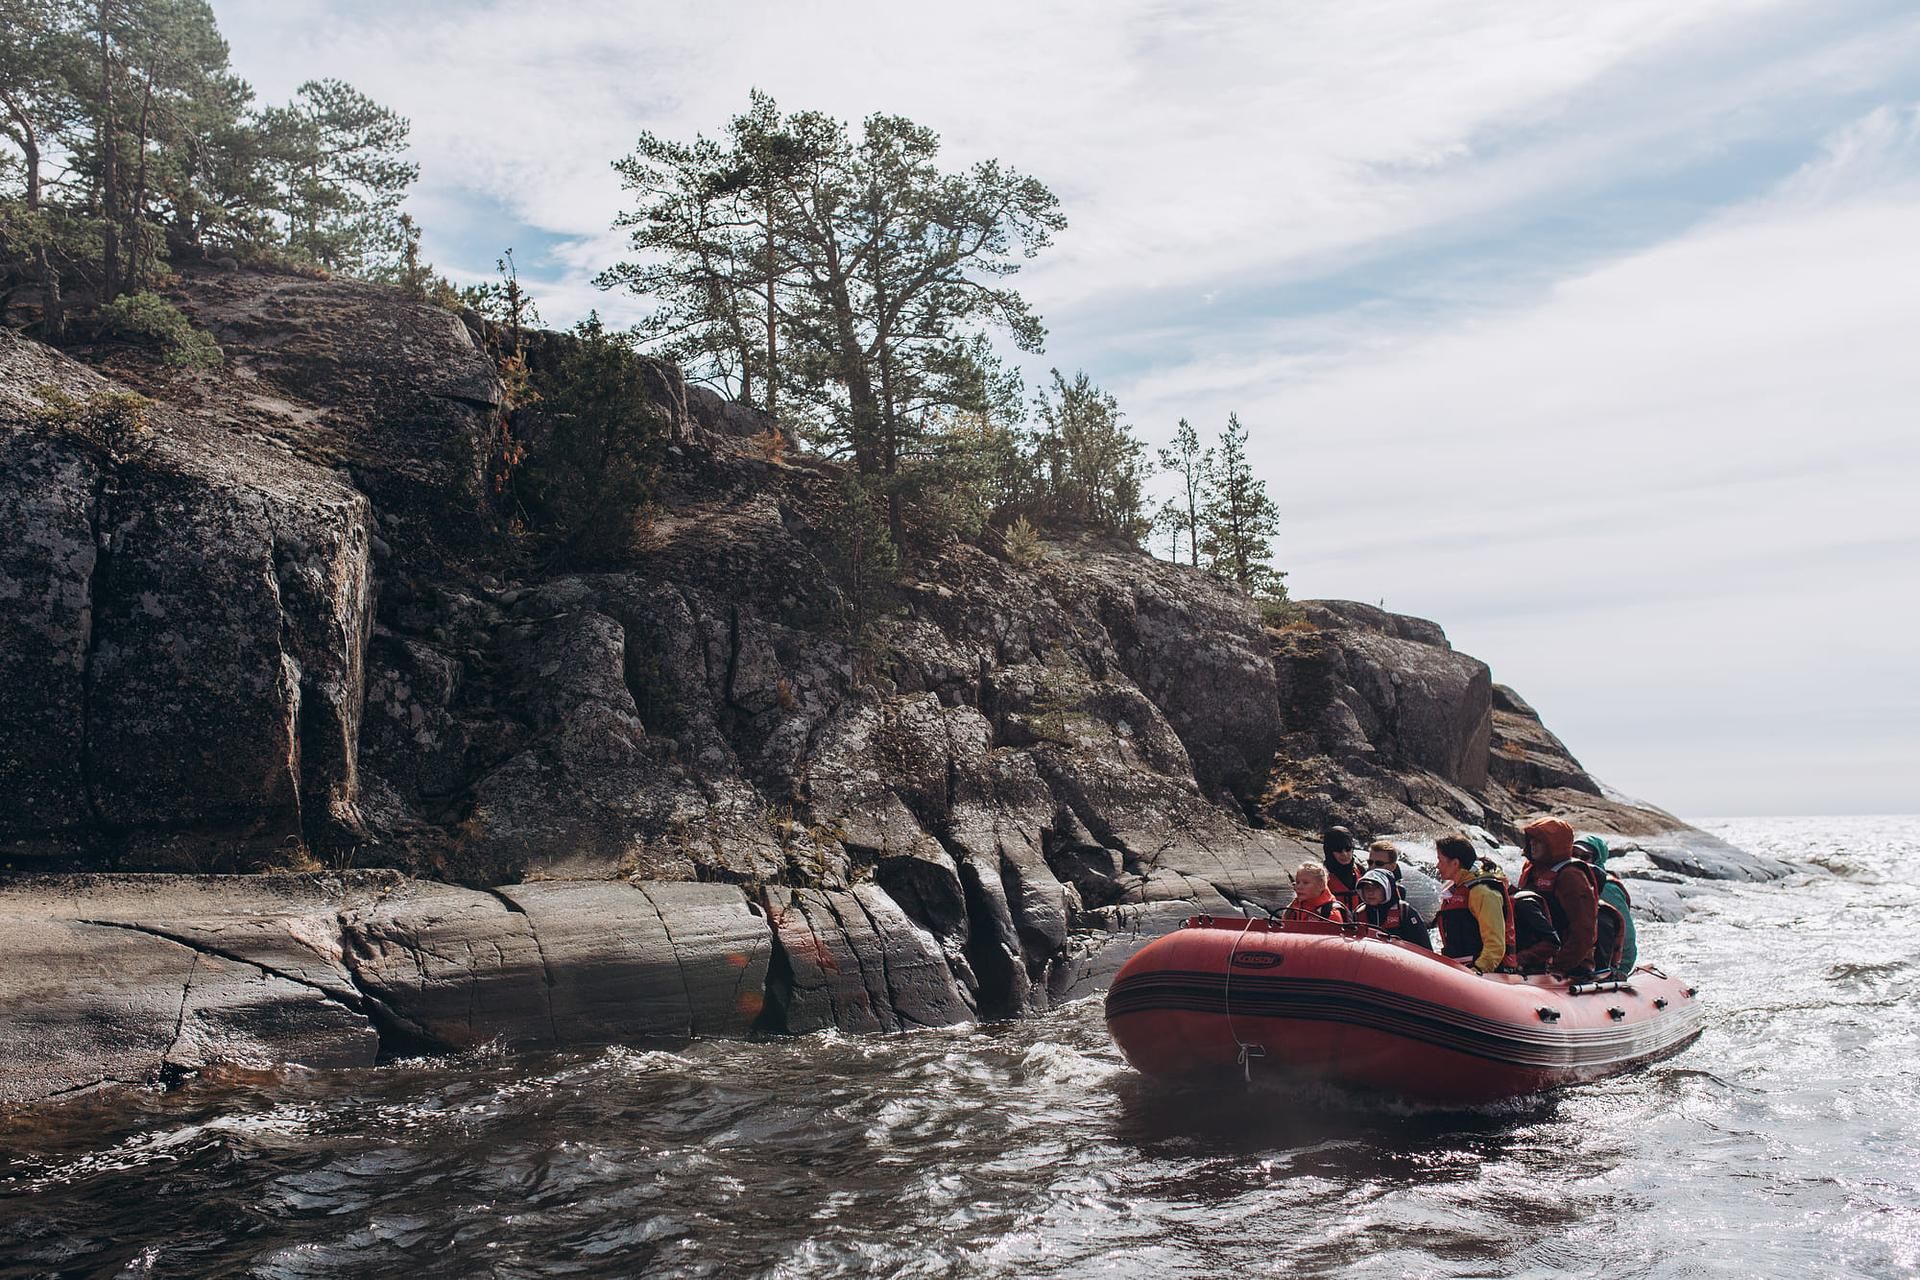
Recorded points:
(1571,895)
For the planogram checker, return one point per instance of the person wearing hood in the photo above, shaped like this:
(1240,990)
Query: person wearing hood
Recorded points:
(1570,889)
(1384,907)
(1311,898)
(1343,870)
(1613,893)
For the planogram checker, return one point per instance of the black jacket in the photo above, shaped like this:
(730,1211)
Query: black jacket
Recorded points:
(1398,920)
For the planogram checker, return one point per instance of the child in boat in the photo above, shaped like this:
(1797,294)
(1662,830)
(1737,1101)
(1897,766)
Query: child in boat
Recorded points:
(1311,900)
(1385,908)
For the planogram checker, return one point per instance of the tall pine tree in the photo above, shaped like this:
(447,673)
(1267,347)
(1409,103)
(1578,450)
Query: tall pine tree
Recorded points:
(1238,521)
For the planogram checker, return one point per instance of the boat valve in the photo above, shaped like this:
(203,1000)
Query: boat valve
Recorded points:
(1692,990)
(1660,1002)
(1616,1013)
(1549,1015)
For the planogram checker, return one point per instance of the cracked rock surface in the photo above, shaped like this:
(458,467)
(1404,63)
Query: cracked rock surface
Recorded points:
(285,626)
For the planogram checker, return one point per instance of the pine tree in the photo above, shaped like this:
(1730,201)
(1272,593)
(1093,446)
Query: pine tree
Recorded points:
(39,49)
(877,272)
(1181,513)
(124,137)
(1088,458)
(1237,519)
(339,158)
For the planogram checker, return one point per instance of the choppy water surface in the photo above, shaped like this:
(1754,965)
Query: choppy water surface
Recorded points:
(1786,1142)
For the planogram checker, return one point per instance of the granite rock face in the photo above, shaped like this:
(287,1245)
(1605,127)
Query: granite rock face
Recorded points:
(1396,731)
(285,626)
(356,376)
(186,620)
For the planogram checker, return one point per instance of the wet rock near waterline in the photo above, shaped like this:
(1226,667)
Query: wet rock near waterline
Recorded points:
(131,979)
(1704,857)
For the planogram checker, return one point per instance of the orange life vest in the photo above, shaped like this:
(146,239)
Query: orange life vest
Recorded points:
(1345,891)
(1328,908)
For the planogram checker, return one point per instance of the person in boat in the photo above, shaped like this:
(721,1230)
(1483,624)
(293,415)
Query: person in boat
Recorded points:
(1571,890)
(1476,912)
(1613,893)
(1311,898)
(1342,868)
(1384,855)
(1384,907)
(1533,931)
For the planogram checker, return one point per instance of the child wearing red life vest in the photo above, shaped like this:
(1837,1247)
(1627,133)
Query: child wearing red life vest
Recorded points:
(1311,900)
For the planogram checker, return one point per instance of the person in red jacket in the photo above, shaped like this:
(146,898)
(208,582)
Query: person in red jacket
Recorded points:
(1567,885)
(1343,870)
(1311,900)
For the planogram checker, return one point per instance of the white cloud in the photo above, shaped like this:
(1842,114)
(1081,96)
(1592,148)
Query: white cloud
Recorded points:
(1188,141)
(1684,479)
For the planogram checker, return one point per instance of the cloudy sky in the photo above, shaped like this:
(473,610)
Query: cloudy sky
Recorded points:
(1590,330)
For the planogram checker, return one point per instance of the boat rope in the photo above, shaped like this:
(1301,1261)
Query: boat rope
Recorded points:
(1248,1051)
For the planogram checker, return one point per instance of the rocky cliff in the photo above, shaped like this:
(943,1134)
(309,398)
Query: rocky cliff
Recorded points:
(279,629)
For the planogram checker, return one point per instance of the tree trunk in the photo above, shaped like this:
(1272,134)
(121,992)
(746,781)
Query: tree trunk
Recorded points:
(109,176)
(866,427)
(138,212)
(773,380)
(53,314)
(29,146)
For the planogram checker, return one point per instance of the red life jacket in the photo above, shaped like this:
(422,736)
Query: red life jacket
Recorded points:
(1540,878)
(1610,926)
(1343,881)
(1328,908)
(1460,928)
(1391,916)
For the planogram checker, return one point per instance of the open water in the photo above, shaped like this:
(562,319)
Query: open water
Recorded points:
(1786,1142)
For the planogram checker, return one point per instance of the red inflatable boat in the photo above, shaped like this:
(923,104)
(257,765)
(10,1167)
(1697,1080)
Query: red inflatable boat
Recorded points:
(1227,995)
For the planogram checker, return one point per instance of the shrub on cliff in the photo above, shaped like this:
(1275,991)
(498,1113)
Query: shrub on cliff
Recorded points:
(594,441)
(116,422)
(151,320)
